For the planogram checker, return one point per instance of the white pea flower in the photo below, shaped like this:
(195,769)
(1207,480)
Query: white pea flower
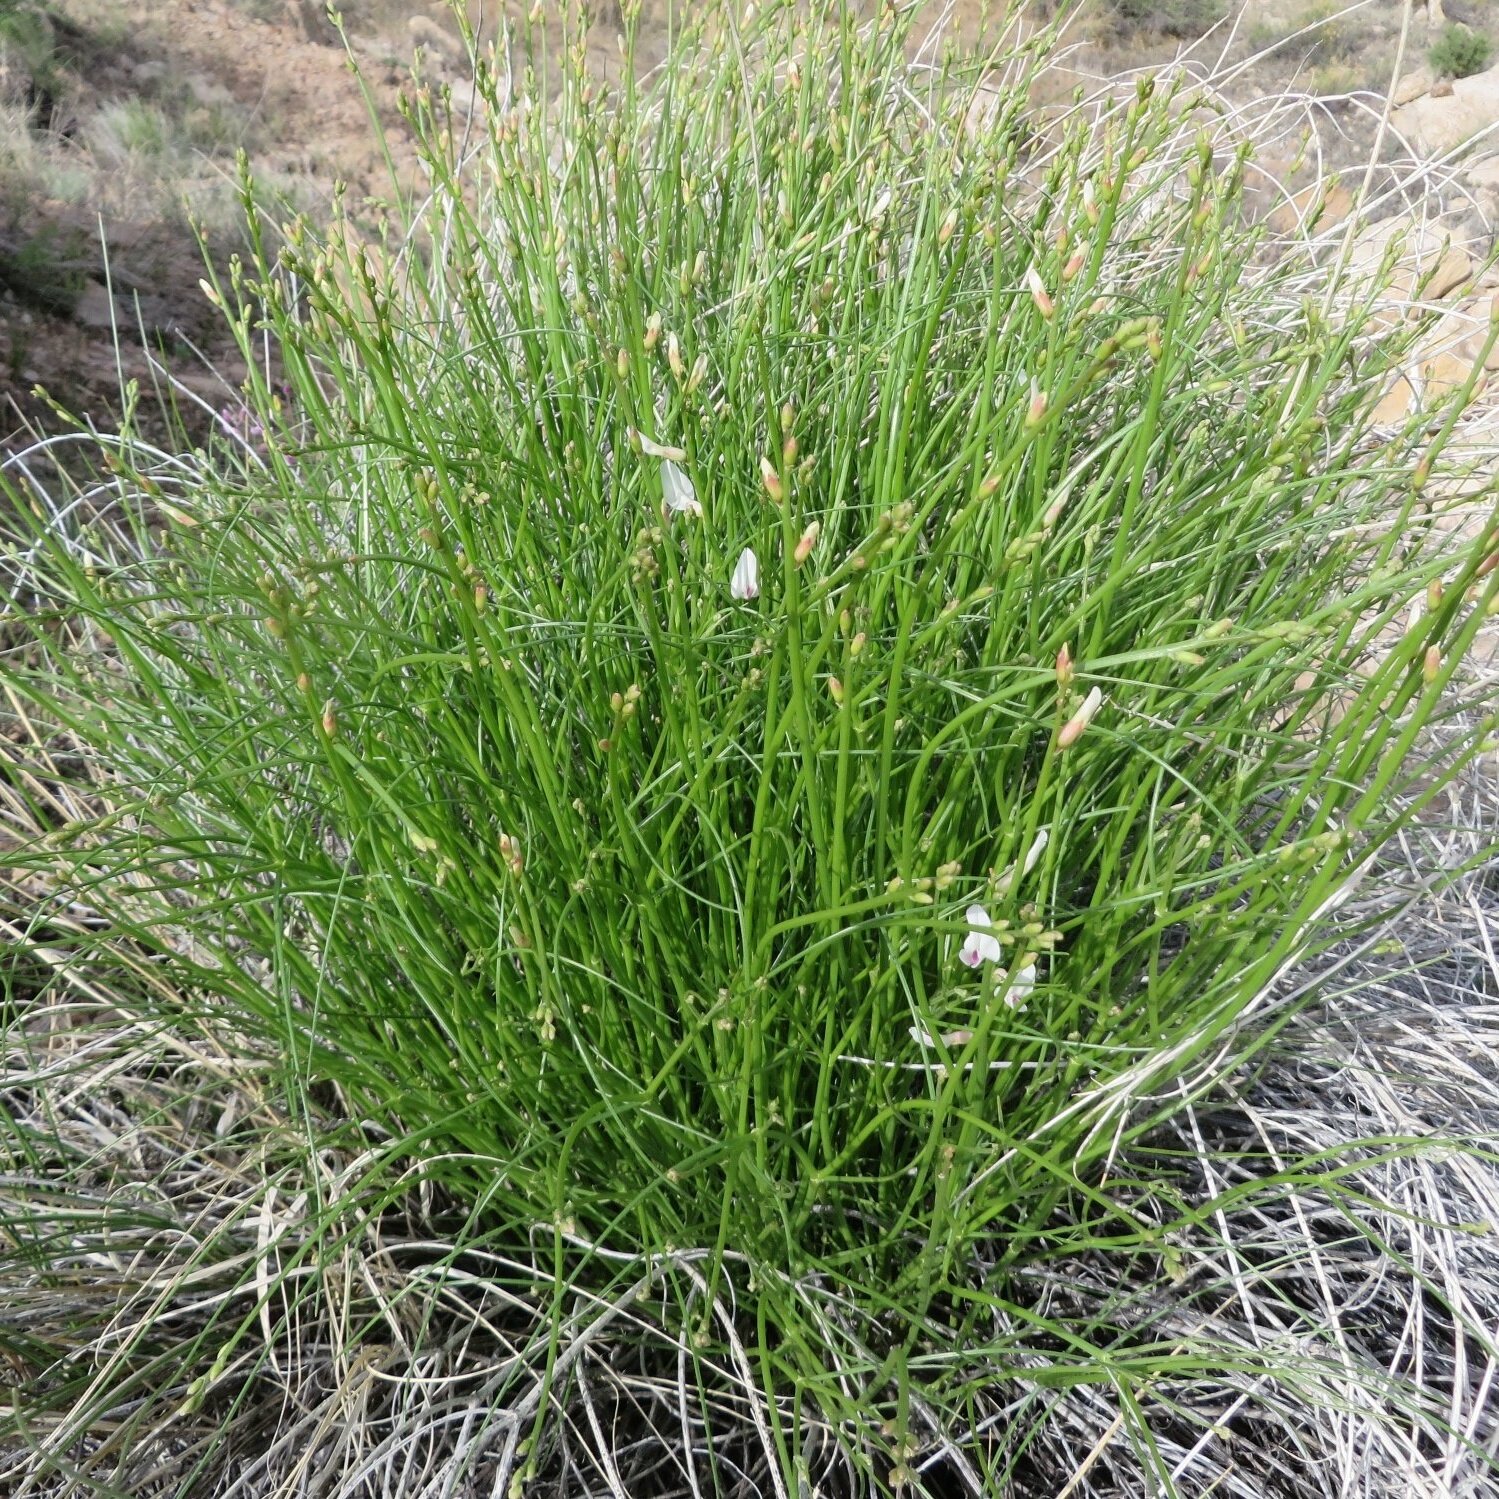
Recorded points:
(1022,982)
(1034,852)
(925,1040)
(659,450)
(1032,858)
(745,584)
(680,498)
(979,946)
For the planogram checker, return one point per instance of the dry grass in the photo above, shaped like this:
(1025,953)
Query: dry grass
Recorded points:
(393,1353)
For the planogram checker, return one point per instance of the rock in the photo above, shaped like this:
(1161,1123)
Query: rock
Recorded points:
(1396,403)
(210,92)
(1487,311)
(425,32)
(1485,173)
(1411,86)
(95,308)
(1427,247)
(1444,374)
(1442,89)
(316,26)
(1436,124)
(1312,208)
(465,97)
(1452,271)
(1463,333)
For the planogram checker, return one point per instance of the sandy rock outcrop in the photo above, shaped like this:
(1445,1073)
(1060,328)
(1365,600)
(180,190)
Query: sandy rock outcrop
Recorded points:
(1436,125)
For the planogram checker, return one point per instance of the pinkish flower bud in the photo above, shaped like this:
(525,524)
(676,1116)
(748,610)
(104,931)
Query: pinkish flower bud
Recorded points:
(1432,665)
(1072,730)
(836,688)
(330,718)
(772,480)
(807,542)
(1039,295)
(674,356)
(1065,671)
(1036,412)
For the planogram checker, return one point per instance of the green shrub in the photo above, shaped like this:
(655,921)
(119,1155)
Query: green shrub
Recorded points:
(1460,52)
(46,268)
(1322,34)
(446,754)
(1178,18)
(26,33)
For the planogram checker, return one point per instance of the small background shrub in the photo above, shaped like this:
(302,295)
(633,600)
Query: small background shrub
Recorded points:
(1334,35)
(1460,52)
(1175,18)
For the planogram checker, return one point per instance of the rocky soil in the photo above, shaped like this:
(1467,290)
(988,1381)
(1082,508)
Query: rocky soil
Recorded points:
(118,147)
